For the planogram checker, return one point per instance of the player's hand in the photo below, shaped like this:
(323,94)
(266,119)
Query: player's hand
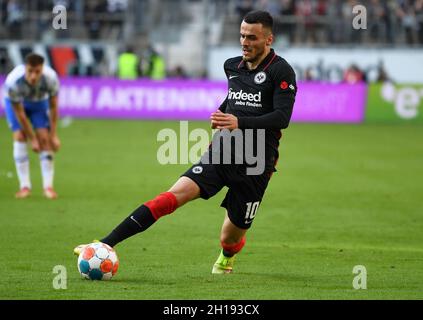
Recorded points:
(55,143)
(35,145)
(220,120)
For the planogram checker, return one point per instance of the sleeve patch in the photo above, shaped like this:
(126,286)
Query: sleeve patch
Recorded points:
(284,86)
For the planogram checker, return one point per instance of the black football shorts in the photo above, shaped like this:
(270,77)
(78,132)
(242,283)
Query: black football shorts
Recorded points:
(245,191)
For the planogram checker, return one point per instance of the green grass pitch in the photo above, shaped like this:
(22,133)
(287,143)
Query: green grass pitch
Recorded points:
(344,195)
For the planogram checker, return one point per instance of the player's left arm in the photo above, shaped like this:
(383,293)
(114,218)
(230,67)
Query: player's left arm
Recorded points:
(285,89)
(53,90)
(54,116)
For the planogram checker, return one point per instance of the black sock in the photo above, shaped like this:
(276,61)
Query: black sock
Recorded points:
(227,254)
(138,221)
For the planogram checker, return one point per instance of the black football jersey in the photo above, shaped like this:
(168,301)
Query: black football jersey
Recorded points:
(262,98)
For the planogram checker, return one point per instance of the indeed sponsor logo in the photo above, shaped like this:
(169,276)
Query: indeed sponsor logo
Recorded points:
(244,98)
(241,95)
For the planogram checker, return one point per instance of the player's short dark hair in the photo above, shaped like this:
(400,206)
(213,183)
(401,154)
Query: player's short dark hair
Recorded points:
(259,16)
(34,59)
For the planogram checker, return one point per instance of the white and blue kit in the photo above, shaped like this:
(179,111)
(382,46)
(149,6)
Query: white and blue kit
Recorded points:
(35,99)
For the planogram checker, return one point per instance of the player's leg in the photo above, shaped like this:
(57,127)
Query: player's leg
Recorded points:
(194,183)
(20,155)
(241,202)
(198,181)
(46,162)
(20,152)
(232,240)
(41,123)
(183,191)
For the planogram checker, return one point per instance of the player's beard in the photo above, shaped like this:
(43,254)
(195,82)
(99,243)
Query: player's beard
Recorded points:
(254,58)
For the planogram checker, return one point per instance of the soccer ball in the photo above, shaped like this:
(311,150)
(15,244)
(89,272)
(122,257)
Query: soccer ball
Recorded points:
(98,261)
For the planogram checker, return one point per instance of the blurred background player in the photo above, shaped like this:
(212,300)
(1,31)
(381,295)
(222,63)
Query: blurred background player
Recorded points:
(30,92)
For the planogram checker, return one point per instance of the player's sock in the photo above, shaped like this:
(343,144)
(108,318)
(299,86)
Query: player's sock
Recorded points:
(229,250)
(142,218)
(20,154)
(47,168)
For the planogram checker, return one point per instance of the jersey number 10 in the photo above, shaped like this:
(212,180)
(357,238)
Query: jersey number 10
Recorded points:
(251,210)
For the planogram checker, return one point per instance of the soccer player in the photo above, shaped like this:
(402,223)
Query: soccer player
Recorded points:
(262,89)
(30,92)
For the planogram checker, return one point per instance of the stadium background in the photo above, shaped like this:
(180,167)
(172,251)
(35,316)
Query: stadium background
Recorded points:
(348,191)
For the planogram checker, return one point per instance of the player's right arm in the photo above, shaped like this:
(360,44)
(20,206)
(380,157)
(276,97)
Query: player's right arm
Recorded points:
(15,95)
(18,108)
(53,91)
(222,107)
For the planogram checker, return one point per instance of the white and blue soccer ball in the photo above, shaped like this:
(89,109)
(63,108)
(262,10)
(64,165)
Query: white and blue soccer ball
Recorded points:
(98,261)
